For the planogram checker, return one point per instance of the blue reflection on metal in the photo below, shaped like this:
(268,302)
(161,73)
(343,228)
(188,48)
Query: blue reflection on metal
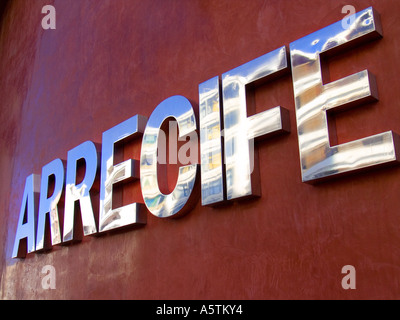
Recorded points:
(48,205)
(26,228)
(313,99)
(73,192)
(109,217)
(212,186)
(173,204)
(241,130)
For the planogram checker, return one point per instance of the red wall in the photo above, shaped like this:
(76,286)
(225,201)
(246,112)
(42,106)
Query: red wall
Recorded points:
(111,59)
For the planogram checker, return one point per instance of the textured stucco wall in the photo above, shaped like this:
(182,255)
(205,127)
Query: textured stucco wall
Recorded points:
(111,59)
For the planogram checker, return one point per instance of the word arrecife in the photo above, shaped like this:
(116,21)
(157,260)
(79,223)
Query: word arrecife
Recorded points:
(223,178)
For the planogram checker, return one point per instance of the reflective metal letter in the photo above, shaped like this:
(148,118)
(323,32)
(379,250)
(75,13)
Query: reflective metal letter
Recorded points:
(48,205)
(159,204)
(313,99)
(73,192)
(239,129)
(110,218)
(212,186)
(27,213)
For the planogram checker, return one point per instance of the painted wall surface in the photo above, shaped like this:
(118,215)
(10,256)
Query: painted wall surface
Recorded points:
(109,60)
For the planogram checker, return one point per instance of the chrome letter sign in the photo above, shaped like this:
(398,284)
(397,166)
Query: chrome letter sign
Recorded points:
(227,135)
(159,204)
(212,184)
(48,205)
(73,192)
(110,218)
(239,128)
(313,100)
(27,230)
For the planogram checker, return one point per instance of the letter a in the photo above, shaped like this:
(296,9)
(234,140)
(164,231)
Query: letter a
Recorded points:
(27,219)
(49,280)
(49,21)
(349,281)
